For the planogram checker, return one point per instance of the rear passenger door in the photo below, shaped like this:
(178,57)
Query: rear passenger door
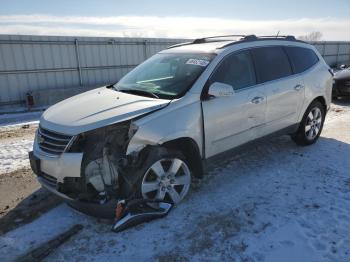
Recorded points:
(284,91)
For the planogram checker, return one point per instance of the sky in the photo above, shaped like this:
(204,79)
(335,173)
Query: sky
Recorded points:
(176,18)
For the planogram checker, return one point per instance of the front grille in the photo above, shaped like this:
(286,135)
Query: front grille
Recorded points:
(52,181)
(52,142)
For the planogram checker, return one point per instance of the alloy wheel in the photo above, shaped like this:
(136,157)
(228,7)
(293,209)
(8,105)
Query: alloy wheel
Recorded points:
(313,123)
(166,180)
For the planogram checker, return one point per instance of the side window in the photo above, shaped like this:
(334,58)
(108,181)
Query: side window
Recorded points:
(271,63)
(301,58)
(236,70)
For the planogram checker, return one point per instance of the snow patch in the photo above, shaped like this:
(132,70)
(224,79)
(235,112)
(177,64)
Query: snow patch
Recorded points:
(14,154)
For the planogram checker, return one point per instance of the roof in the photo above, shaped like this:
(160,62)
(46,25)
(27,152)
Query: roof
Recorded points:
(214,43)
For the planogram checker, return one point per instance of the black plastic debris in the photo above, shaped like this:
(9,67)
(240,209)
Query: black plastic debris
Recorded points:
(139,211)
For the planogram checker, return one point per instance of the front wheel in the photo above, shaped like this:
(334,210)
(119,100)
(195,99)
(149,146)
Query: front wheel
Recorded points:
(164,176)
(311,125)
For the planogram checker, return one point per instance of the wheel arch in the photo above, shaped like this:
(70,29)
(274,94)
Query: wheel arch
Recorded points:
(322,100)
(190,149)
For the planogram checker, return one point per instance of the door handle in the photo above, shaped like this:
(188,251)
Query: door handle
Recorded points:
(298,87)
(257,99)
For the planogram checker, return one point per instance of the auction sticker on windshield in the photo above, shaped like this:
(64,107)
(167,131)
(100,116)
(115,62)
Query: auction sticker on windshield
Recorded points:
(198,62)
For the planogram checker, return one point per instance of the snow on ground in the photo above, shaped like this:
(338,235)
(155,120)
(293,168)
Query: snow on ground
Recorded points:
(272,201)
(14,154)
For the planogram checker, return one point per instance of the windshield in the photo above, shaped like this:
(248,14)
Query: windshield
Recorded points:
(166,76)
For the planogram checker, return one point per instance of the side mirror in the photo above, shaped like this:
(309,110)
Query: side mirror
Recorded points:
(218,89)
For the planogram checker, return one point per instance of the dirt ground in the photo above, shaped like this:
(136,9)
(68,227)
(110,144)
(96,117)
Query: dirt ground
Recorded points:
(24,131)
(21,199)
(15,187)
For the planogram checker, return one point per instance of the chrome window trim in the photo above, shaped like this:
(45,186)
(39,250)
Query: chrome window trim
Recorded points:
(267,82)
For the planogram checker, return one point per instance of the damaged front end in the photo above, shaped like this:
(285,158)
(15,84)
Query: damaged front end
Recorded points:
(104,173)
(104,164)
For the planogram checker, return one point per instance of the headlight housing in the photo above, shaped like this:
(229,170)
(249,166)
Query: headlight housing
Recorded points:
(117,135)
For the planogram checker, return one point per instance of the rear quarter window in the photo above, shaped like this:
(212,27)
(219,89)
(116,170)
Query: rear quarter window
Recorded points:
(301,58)
(271,63)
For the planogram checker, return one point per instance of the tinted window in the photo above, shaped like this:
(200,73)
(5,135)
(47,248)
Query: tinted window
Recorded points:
(301,58)
(271,63)
(236,70)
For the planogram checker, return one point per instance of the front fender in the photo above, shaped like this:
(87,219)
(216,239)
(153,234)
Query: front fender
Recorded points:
(166,125)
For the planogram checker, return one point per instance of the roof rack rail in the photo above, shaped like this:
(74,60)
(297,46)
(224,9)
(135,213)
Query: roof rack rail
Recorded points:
(242,38)
(287,37)
(204,39)
(266,37)
(179,44)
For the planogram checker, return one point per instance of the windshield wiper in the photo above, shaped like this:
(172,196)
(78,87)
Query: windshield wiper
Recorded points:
(139,92)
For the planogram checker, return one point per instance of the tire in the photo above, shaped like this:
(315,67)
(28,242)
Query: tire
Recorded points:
(311,125)
(164,175)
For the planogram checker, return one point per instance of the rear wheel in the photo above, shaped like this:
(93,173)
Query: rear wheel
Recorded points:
(311,125)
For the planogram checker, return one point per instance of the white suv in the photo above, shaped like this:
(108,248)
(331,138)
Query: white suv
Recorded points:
(147,135)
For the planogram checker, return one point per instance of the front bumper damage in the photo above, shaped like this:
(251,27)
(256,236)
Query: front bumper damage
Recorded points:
(125,212)
(85,174)
(94,173)
(103,210)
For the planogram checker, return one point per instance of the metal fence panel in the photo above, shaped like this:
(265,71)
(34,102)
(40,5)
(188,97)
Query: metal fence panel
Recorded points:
(32,63)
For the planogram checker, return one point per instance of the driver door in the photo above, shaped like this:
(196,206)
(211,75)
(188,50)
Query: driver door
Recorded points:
(233,120)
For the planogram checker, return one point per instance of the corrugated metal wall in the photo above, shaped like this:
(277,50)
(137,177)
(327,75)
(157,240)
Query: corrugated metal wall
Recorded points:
(334,53)
(31,63)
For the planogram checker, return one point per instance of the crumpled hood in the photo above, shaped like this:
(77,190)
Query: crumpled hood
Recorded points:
(97,108)
(342,74)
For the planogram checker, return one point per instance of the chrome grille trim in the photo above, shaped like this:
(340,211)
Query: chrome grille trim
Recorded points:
(52,142)
(47,133)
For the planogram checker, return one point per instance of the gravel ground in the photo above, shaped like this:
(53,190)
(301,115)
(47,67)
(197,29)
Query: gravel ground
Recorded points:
(272,201)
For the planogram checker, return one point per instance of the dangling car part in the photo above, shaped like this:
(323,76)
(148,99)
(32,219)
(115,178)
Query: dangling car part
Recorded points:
(138,211)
